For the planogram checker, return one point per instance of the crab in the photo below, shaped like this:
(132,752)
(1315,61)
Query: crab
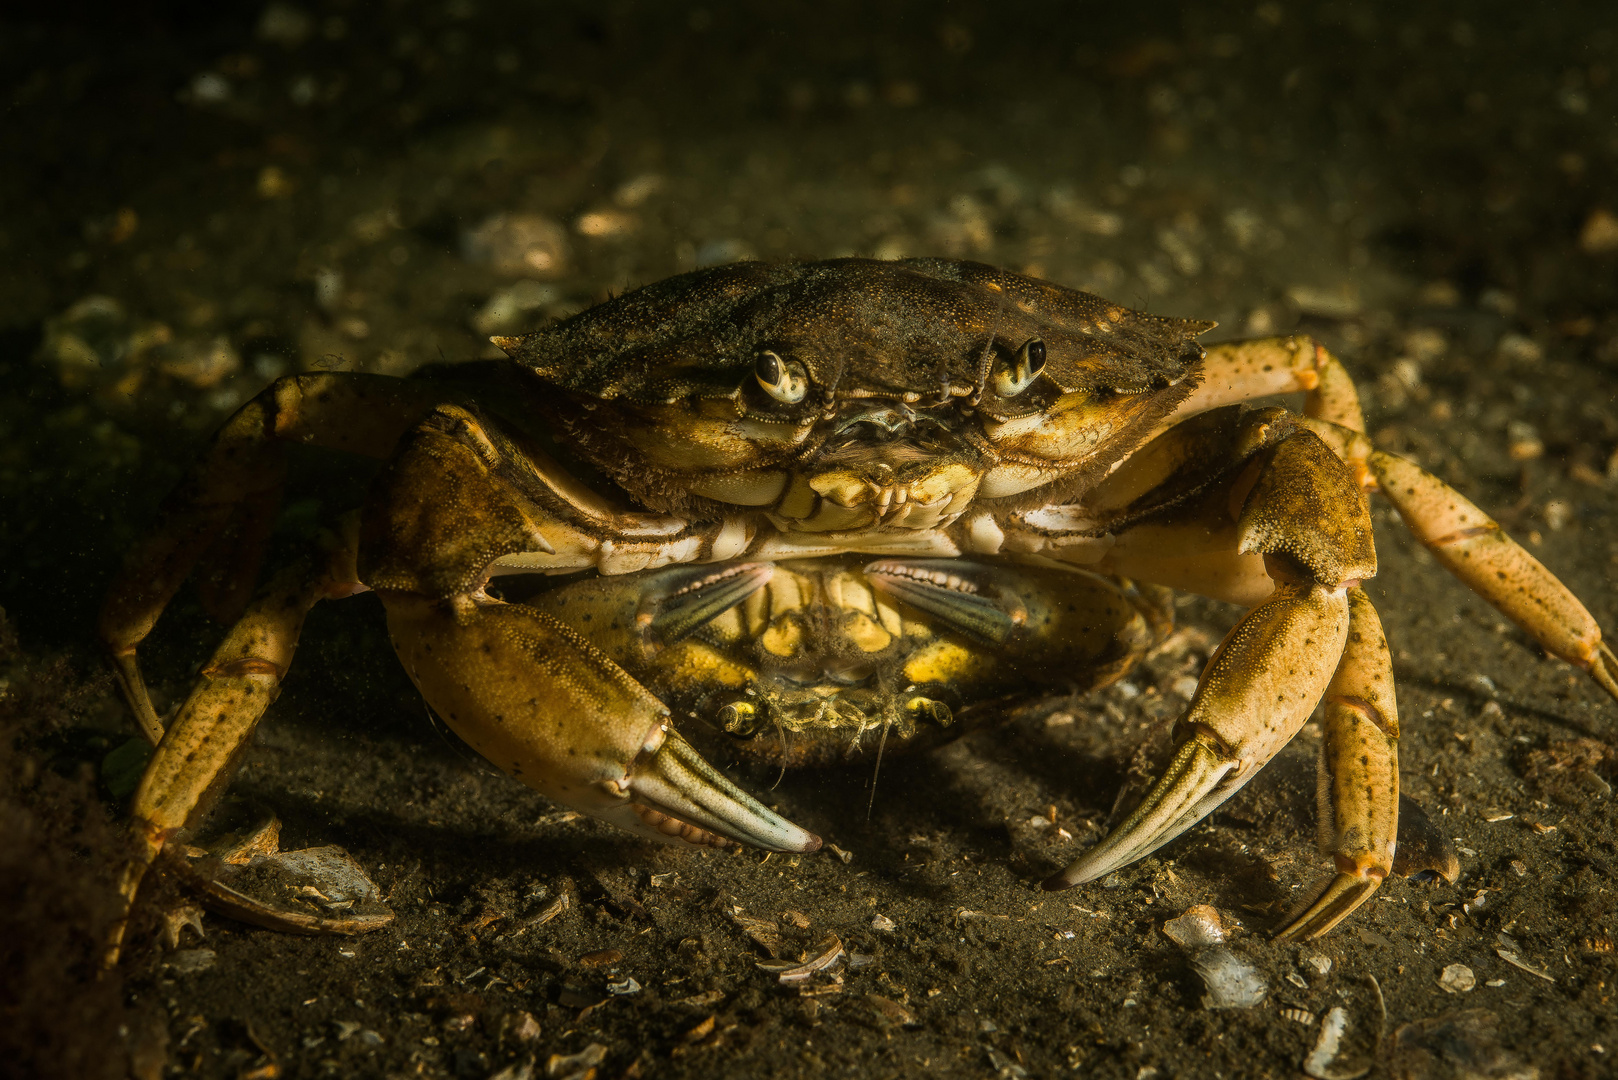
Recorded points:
(817,508)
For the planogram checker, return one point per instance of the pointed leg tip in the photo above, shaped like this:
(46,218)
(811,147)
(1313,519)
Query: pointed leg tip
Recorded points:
(1339,896)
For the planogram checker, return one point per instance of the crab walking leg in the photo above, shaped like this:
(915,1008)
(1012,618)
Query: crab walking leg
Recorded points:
(1358,790)
(1238,371)
(538,700)
(1257,692)
(236,485)
(1474,548)
(197,755)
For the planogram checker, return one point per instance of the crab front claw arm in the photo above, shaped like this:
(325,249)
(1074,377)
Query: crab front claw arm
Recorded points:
(1303,516)
(547,707)
(1257,692)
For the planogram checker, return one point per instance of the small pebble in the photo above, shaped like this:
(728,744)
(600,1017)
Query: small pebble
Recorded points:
(604,224)
(1599,235)
(527,245)
(1457,979)
(190,961)
(1520,349)
(1322,964)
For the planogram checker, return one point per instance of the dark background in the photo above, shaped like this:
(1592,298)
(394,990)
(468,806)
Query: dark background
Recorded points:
(193,201)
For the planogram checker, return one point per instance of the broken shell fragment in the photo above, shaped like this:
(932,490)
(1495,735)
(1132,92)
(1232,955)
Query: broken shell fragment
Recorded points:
(1522,965)
(1326,1061)
(1321,964)
(582,1063)
(176,919)
(1199,927)
(1457,979)
(1231,980)
(790,974)
(314,891)
(766,933)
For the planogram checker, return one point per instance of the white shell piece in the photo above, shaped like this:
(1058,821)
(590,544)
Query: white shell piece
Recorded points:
(1200,926)
(1457,979)
(1232,980)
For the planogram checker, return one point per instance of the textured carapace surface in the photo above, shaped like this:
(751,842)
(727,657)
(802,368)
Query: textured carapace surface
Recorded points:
(904,368)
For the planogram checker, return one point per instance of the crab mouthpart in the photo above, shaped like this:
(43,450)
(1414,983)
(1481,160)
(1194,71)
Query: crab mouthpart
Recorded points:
(935,497)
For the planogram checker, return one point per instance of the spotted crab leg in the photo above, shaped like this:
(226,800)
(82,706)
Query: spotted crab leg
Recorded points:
(1255,695)
(1472,546)
(1358,793)
(230,498)
(539,701)
(199,751)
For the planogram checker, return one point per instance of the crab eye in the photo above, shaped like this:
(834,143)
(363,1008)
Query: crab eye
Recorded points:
(1015,376)
(783,380)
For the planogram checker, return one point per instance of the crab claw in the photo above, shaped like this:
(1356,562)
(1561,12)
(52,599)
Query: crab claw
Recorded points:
(1256,693)
(539,701)
(673,789)
(1202,775)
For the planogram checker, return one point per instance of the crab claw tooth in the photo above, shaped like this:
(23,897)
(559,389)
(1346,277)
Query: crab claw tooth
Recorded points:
(675,781)
(1603,667)
(1193,784)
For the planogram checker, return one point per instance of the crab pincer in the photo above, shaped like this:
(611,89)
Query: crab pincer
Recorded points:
(534,697)
(1258,691)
